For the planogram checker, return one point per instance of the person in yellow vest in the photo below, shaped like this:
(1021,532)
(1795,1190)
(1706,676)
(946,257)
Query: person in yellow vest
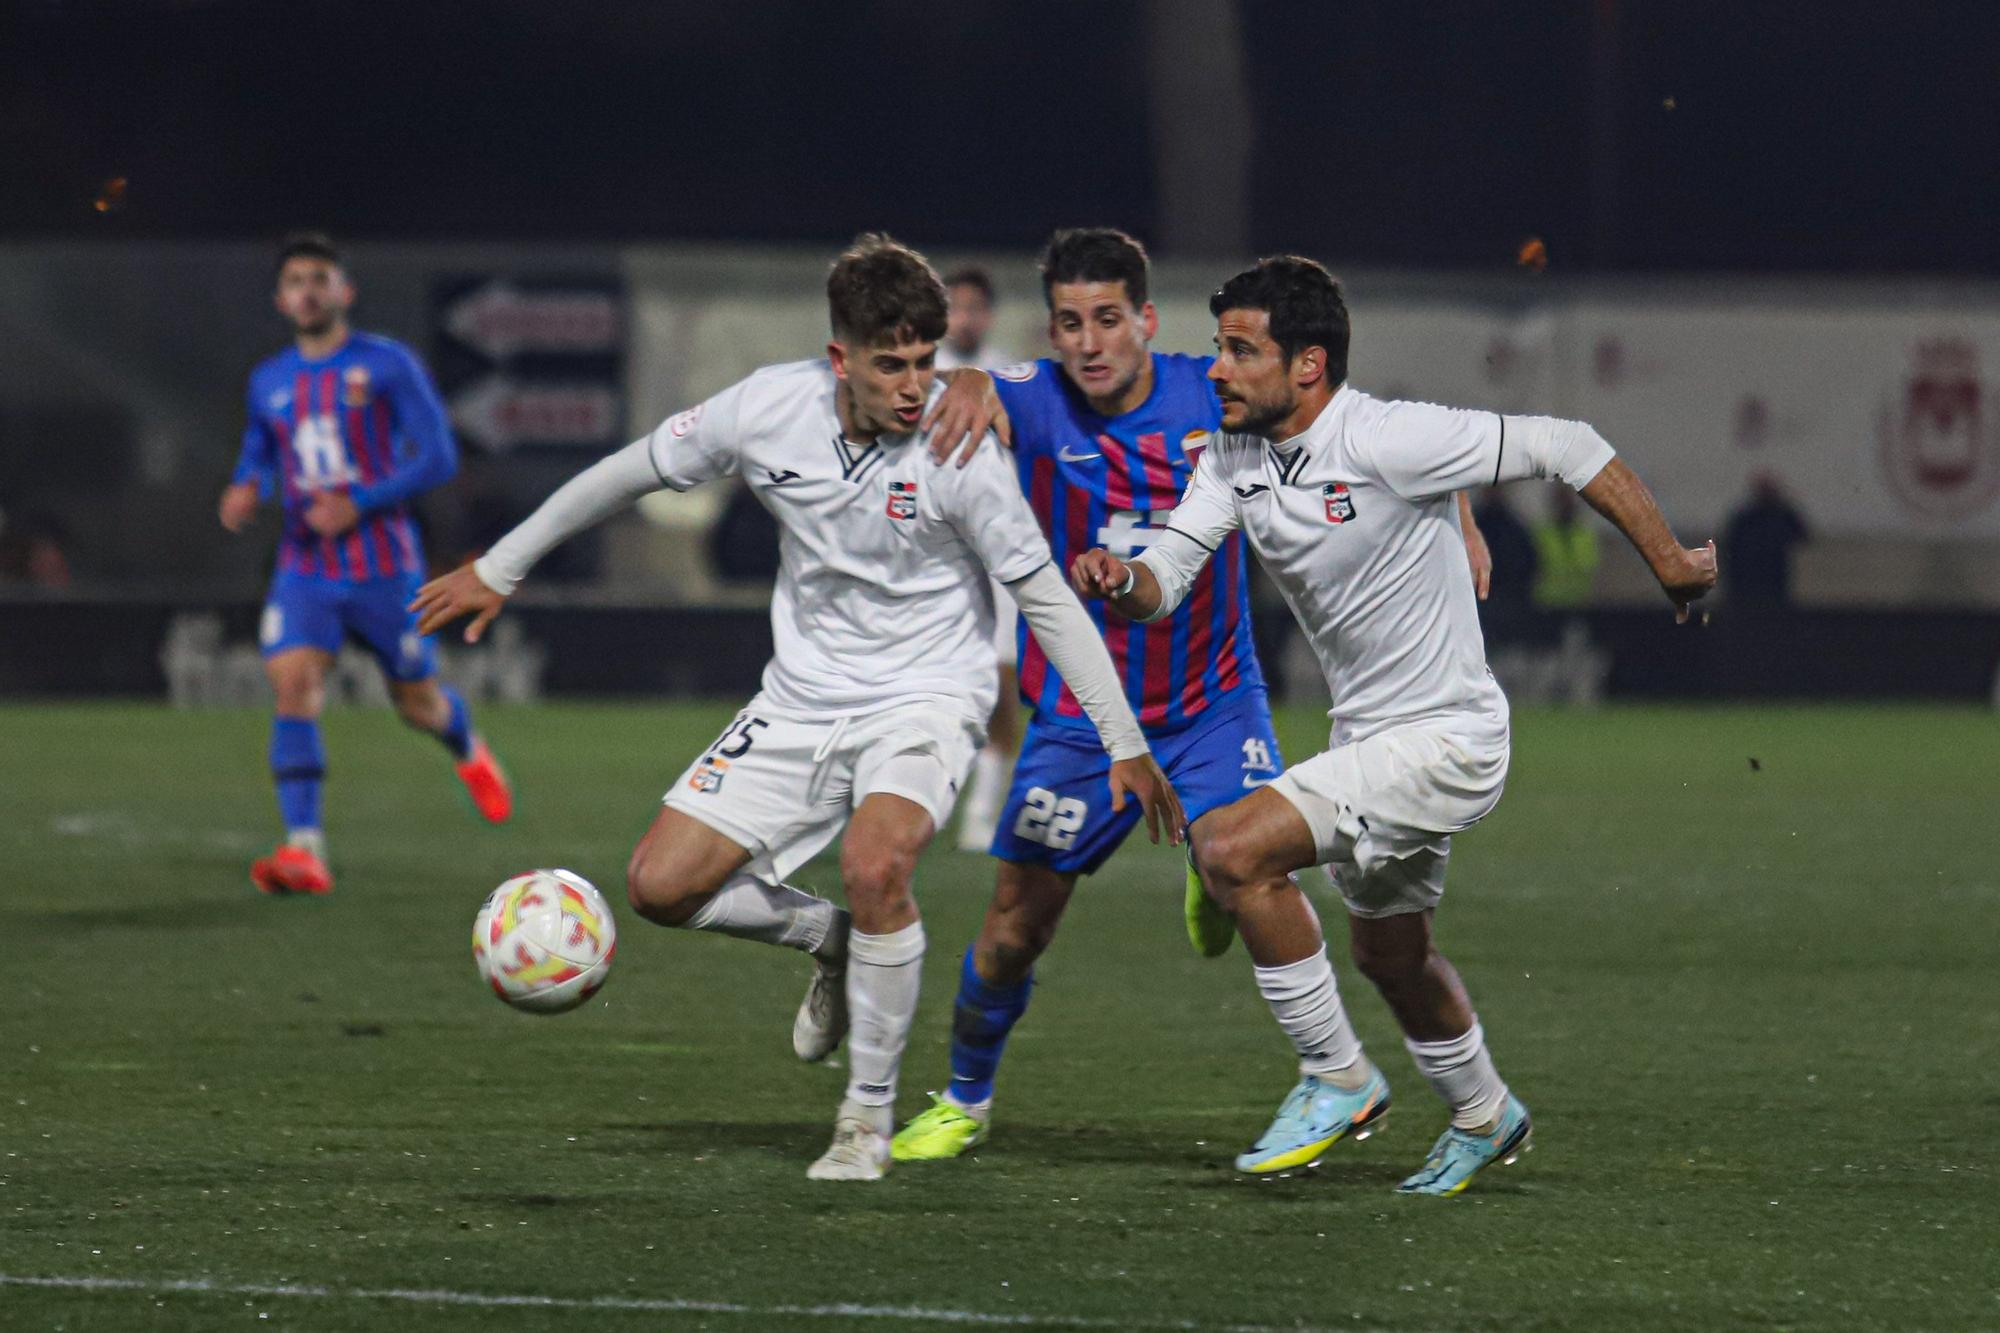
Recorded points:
(1565,555)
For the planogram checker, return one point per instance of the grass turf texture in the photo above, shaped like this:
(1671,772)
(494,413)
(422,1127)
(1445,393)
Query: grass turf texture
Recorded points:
(1752,1006)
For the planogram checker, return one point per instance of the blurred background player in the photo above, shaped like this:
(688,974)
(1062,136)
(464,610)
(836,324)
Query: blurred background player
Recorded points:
(346,429)
(871,706)
(968,321)
(1347,498)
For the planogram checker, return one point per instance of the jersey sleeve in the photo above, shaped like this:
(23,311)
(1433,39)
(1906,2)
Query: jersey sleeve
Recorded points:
(1018,397)
(984,504)
(704,443)
(1205,516)
(429,457)
(1422,450)
(258,459)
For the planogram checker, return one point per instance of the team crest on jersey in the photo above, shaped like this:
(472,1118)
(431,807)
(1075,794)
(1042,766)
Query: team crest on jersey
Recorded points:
(1018,373)
(902,499)
(682,422)
(1339,504)
(354,386)
(708,777)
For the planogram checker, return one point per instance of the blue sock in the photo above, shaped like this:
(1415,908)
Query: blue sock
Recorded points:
(457,733)
(981,1018)
(298,764)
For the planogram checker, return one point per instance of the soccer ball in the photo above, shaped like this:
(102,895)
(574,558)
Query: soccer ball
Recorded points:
(543,941)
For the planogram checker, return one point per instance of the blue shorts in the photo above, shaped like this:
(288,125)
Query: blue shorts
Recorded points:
(1058,812)
(307,612)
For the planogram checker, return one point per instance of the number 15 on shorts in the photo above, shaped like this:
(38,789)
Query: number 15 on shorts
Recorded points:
(1050,820)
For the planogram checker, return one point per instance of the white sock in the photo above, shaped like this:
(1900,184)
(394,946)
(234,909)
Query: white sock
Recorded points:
(311,839)
(883,973)
(1306,1003)
(1463,1074)
(750,909)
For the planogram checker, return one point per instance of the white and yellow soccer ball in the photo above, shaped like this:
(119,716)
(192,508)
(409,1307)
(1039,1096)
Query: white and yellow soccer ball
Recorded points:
(544,940)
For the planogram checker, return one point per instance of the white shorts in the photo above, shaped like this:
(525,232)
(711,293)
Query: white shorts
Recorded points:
(1382,810)
(782,786)
(1005,616)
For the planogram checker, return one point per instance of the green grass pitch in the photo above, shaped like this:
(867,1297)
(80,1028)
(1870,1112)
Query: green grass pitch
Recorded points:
(1741,963)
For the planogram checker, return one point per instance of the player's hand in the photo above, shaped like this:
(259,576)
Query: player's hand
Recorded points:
(238,505)
(331,513)
(1098,574)
(459,593)
(1480,558)
(1689,580)
(1142,778)
(965,411)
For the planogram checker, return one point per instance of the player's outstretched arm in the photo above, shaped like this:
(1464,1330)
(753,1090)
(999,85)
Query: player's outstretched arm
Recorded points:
(1685,574)
(968,408)
(459,593)
(1132,589)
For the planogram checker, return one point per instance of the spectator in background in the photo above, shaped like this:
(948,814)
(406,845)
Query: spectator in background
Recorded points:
(1509,603)
(968,320)
(1760,538)
(1565,555)
(32,550)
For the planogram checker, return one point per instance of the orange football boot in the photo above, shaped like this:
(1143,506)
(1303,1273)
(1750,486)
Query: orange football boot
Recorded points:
(486,784)
(291,870)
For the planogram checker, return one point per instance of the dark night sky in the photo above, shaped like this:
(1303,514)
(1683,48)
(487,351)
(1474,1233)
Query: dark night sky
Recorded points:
(1830,137)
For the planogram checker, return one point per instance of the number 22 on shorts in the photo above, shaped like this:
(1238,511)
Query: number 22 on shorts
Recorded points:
(1049,820)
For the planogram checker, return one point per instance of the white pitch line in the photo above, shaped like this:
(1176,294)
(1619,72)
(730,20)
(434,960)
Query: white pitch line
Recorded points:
(643,1304)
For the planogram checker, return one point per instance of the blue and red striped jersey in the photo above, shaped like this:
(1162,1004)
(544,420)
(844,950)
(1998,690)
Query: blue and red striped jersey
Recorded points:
(1113,482)
(366,419)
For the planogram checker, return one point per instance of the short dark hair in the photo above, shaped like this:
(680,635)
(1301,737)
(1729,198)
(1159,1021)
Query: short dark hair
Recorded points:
(1304,301)
(881,292)
(308,245)
(1095,254)
(972,275)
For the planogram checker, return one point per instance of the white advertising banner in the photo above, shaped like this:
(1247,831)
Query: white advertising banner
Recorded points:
(1873,421)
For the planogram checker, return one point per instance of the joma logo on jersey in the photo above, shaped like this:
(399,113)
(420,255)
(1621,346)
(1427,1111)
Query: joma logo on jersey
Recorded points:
(1339,504)
(902,499)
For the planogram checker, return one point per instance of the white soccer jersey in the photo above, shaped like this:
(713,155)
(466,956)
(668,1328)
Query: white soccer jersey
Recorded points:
(1354,518)
(882,590)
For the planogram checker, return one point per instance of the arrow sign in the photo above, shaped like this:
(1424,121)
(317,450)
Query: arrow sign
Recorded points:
(501,321)
(501,414)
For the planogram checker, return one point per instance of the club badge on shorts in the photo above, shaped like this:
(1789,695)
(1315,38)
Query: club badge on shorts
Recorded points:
(902,499)
(708,777)
(1339,504)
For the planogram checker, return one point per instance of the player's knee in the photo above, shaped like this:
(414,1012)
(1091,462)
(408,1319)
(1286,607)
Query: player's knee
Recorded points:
(877,877)
(657,891)
(1226,861)
(1011,943)
(296,693)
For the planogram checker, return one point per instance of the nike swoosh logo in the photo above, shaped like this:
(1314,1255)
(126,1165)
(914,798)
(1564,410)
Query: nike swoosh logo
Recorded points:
(780,478)
(1254,782)
(1247,491)
(1069,455)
